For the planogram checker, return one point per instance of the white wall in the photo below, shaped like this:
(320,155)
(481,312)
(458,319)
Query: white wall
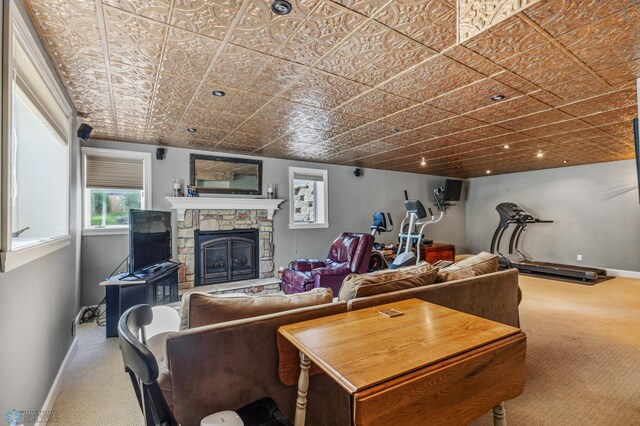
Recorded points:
(595,210)
(352,202)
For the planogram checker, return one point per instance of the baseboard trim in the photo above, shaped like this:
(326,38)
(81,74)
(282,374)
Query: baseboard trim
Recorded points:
(623,273)
(47,407)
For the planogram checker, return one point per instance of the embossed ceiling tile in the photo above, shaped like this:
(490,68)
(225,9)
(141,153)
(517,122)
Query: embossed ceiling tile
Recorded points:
(211,18)
(133,81)
(315,137)
(431,78)
(547,98)
(475,16)
(618,130)
(471,59)
(198,118)
(582,87)
(330,23)
(237,66)
(509,38)
(535,120)
(188,55)
(576,139)
(609,101)
(133,41)
(504,110)
(166,115)
(556,128)
(511,139)
(544,65)
(302,50)
(243,139)
(364,7)
(226,121)
(336,120)
(621,74)
(479,133)
(453,125)
(561,16)
(611,41)
(262,30)
(515,81)
(440,34)
(322,90)
(246,103)
(263,130)
(276,76)
(205,99)
(211,134)
(233,148)
(615,116)
(170,89)
(375,104)
(398,56)
(154,9)
(362,47)
(418,115)
(474,96)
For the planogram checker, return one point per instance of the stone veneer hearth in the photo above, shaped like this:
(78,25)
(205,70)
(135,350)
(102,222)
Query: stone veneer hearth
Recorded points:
(222,220)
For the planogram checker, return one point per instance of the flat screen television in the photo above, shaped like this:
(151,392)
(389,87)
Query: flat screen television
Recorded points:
(636,138)
(452,190)
(149,238)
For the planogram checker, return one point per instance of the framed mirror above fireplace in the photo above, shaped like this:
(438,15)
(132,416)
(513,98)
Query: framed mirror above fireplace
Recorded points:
(226,175)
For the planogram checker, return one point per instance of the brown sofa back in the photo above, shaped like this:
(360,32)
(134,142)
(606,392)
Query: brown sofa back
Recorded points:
(227,365)
(492,296)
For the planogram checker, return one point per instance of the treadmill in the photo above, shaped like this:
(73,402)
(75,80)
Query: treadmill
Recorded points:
(510,214)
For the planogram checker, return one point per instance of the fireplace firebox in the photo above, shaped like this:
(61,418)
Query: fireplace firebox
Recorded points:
(224,256)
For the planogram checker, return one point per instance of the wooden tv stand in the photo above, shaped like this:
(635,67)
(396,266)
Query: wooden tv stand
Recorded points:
(158,285)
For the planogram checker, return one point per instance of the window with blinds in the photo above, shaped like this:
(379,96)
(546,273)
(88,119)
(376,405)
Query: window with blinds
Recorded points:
(309,198)
(114,182)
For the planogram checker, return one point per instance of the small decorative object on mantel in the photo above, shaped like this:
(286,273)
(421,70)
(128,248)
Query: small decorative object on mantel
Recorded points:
(177,188)
(271,191)
(192,191)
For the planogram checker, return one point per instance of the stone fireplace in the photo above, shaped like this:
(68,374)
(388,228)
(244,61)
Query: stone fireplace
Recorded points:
(205,215)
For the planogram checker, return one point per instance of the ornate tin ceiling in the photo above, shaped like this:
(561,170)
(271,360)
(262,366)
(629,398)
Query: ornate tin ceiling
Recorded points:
(372,83)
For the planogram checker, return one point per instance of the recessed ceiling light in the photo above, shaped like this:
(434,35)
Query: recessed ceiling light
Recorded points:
(488,172)
(506,147)
(191,129)
(423,161)
(395,130)
(565,161)
(218,93)
(281,7)
(540,154)
(496,98)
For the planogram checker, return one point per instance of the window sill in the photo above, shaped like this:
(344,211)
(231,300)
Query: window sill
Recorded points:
(15,258)
(308,225)
(112,230)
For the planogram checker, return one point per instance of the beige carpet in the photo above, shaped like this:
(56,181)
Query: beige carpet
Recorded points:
(583,362)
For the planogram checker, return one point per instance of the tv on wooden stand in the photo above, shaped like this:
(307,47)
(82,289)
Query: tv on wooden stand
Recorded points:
(149,240)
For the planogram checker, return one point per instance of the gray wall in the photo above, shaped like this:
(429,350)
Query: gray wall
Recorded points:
(594,207)
(352,202)
(38,302)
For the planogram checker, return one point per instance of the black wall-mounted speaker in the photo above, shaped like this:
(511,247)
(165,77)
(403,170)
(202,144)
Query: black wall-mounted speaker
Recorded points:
(160,153)
(84,131)
(357,172)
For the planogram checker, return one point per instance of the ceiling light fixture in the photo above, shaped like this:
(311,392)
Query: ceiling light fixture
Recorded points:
(191,129)
(565,161)
(395,130)
(540,154)
(497,98)
(506,147)
(281,7)
(218,93)
(423,161)
(488,172)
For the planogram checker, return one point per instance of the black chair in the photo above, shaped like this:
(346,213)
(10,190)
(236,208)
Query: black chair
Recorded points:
(143,370)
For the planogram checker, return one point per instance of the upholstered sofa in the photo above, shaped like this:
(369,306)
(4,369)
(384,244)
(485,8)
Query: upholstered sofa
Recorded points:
(225,365)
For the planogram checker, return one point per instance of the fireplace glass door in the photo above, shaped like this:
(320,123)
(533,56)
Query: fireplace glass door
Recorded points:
(227,259)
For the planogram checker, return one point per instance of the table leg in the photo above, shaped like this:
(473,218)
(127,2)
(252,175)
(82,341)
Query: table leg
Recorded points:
(303,387)
(499,415)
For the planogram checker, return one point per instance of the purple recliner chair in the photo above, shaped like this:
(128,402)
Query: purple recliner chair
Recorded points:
(349,254)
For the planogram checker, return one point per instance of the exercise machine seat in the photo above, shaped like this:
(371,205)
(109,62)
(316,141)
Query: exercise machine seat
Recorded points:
(349,254)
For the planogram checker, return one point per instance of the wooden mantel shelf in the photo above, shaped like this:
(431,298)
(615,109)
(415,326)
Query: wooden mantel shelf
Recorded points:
(181,204)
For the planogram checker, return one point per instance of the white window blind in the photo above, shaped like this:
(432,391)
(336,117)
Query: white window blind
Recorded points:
(308,176)
(104,172)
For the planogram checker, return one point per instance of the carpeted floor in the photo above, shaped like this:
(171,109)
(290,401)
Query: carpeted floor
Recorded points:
(583,362)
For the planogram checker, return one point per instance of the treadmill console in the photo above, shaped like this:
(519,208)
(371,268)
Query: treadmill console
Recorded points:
(415,207)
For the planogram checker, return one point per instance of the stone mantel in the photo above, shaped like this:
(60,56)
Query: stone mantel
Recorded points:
(181,204)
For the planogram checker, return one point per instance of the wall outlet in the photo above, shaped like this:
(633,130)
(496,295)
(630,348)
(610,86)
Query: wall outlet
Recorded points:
(579,258)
